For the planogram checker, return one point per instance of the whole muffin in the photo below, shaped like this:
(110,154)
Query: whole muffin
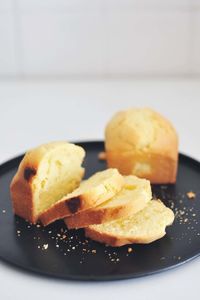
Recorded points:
(143,143)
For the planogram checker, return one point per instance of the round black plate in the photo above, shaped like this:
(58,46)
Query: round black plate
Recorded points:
(57,252)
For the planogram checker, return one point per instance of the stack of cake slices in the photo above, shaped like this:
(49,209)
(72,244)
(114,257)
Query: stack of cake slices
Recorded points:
(112,208)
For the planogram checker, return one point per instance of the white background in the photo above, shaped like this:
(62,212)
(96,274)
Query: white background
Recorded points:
(99,37)
(34,112)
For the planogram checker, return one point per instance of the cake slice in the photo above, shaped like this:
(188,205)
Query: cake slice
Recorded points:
(133,197)
(44,176)
(143,227)
(91,192)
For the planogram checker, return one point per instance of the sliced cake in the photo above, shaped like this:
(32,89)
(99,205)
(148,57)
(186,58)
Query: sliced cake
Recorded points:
(133,197)
(143,227)
(97,189)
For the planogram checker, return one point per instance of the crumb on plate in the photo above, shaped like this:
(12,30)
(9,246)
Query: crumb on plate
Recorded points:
(191,195)
(102,155)
(45,246)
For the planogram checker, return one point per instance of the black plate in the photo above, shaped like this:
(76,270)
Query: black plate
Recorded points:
(70,256)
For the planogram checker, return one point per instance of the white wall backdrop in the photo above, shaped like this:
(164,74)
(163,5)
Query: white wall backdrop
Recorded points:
(99,37)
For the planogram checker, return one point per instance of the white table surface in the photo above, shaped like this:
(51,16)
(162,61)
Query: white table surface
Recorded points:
(34,112)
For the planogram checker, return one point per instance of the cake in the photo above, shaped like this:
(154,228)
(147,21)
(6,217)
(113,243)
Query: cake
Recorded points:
(133,197)
(143,143)
(143,227)
(44,176)
(97,189)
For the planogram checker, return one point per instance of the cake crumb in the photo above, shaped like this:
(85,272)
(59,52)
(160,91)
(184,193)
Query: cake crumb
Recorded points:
(191,195)
(94,251)
(102,155)
(45,246)
(130,249)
